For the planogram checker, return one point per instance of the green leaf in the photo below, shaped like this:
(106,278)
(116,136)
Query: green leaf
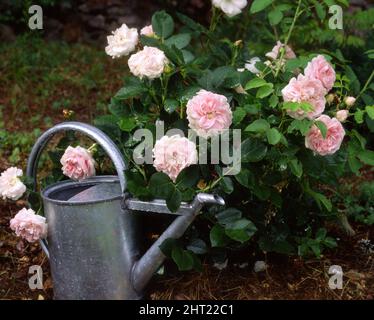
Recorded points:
(360,138)
(167,246)
(253,150)
(127,124)
(265,91)
(187,56)
(316,248)
(173,201)
(273,101)
(245,178)
(163,24)
(190,23)
(171,105)
(321,234)
(295,106)
(229,215)
(160,185)
(321,12)
(296,167)
(354,164)
(367,156)
(241,230)
(188,177)
(322,128)
(133,88)
(255,83)
(197,246)
(227,185)
(179,40)
(273,136)
(220,74)
(302,126)
(275,16)
(217,236)
(359,116)
(330,242)
(370,111)
(259,125)
(320,199)
(136,184)
(239,115)
(183,258)
(259,5)
(174,54)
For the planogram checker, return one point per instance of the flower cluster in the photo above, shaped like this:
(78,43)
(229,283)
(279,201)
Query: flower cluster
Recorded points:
(77,163)
(149,62)
(312,88)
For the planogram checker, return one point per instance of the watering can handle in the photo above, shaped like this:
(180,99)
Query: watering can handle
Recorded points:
(95,134)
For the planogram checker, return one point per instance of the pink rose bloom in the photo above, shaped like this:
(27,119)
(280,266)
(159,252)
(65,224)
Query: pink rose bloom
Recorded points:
(334,136)
(208,113)
(77,163)
(320,69)
(173,154)
(11,186)
(147,31)
(342,115)
(148,63)
(28,225)
(304,89)
(274,53)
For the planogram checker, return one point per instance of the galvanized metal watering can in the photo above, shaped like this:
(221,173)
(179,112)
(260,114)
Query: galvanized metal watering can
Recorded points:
(92,243)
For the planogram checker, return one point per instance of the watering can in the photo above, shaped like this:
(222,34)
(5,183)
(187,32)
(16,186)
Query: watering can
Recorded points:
(93,243)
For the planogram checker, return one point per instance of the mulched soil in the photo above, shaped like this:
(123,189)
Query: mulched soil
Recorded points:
(285,277)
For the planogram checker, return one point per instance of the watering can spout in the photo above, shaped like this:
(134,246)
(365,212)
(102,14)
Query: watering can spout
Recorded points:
(144,268)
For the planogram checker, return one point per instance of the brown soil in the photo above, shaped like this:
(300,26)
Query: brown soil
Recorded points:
(285,278)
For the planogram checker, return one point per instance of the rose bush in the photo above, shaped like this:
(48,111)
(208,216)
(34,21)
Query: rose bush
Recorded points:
(293,148)
(287,102)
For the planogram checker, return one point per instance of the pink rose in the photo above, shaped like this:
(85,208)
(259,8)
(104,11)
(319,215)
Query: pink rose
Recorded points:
(208,113)
(173,154)
(148,63)
(320,69)
(28,225)
(77,163)
(274,53)
(342,115)
(304,89)
(11,186)
(147,31)
(334,136)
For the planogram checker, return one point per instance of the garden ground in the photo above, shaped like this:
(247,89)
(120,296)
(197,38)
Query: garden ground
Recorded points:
(38,82)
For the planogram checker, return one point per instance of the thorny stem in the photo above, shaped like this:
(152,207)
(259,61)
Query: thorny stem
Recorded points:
(366,84)
(215,182)
(297,14)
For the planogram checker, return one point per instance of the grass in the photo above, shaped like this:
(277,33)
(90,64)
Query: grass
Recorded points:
(40,79)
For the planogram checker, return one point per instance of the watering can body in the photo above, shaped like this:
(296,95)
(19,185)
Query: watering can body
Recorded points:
(92,243)
(92,240)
